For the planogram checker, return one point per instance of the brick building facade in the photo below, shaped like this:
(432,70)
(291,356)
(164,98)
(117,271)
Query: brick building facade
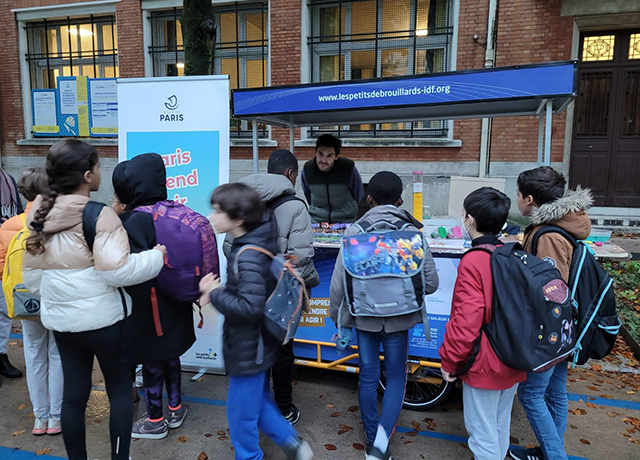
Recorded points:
(526,31)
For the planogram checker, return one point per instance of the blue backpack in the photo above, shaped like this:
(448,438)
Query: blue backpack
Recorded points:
(593,298)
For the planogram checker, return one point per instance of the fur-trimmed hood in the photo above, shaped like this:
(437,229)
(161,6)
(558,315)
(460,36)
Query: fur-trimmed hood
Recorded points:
(568,212)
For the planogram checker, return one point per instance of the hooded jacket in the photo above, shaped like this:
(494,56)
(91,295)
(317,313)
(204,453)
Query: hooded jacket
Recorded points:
(79,287)
(569,213)
(293,222)
(248,347)
(141,181)
(392,324)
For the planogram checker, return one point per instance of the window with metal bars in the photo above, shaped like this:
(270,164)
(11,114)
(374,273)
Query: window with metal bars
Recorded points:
(360,39)
(242,48)
(85,46)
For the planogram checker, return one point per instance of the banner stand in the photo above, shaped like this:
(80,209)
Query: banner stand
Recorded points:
(186,120)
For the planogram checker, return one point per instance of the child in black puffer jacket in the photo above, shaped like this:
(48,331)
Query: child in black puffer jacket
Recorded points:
(249,350)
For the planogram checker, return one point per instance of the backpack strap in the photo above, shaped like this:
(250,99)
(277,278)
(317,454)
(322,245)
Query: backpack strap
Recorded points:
(252,248)
(282,199)
(551,229)
(90,216)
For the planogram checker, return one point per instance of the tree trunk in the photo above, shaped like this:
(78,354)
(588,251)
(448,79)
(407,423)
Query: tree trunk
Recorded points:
(199,32)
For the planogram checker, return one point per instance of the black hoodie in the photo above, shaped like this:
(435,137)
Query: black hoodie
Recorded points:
(141,181)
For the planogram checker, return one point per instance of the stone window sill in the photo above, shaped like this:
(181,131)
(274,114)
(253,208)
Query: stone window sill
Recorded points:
(389,142)
(48,141)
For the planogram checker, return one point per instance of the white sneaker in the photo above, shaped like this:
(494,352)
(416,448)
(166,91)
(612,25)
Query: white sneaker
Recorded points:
(54,425)
(40,426)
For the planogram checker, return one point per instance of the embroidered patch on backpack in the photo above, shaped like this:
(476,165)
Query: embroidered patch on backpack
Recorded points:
(551,261)
(556,291)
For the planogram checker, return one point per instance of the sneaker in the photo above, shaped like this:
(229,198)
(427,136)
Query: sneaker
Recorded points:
(300,450)
(146,429)
(54,425)
(527,454)
(40,426)
(175,419)
(375,454)
(293,415)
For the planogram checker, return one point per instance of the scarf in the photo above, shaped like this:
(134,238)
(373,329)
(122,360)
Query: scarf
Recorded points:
(8,197)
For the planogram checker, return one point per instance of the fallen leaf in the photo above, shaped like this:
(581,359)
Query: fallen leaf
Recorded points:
(223,438)
(596,367)
(221,432)
(98,421)
(606,396)
(201,379)
(412,433)
(591,405)
(203,456)
(585,441)
(343,431)
(613,414)
(22,407)
(573,427)
(43,451)
(514,440)
(346,427)
(635,441)
(330,406)
(358,446)
(335,414)
(592,388)
(32,415)
(353,409)
(183,438)
(18,433)
(416,425)
(629,430)
(321,396)
(631,392)
(591,398)
(208,435)
(578,412)
(408,442)
(530,446)
(626,435)
(13,344)
(330,447)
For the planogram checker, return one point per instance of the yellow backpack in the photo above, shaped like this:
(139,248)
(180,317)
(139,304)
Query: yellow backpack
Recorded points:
(21,304)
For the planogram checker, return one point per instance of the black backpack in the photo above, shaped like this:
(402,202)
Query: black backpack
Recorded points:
(531,327)
(593,297)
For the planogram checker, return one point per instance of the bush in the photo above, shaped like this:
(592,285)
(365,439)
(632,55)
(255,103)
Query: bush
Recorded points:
(627,288)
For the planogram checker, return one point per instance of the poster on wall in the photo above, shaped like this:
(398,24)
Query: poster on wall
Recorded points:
(103,104)
(45,112)
(186,121)
(73,101)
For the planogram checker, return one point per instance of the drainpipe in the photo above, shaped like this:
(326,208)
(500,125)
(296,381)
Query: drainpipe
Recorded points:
(489,61)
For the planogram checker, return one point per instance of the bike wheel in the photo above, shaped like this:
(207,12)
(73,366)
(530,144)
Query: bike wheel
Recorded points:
(425,390)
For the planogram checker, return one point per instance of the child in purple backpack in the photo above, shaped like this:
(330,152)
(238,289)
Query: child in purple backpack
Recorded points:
(163,327)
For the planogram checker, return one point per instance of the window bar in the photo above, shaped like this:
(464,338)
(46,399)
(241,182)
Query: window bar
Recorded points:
(94,37)
(70,47)
(375,68)
(175,35)
(30,59)
(46,44)
(152,47)
(415,53)
(339,50)
(113,47)
(238,58)
(313,42)
(264,73)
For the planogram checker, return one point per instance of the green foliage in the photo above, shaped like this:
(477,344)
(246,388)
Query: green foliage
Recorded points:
(627,288)
(199,32)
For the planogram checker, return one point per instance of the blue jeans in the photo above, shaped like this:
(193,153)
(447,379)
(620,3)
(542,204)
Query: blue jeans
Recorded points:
(545,401)
(396,348)
(249,408)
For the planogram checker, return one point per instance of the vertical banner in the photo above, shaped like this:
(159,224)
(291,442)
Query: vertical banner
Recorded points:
(186,120)
(73,115)
(103,107)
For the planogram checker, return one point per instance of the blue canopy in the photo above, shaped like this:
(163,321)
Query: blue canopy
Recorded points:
(484,93)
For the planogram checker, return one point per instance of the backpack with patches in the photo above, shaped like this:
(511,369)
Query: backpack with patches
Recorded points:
(384,271)
(284,306)
(592,295)
(531,326)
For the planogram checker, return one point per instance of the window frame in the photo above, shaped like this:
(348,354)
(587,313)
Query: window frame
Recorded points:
(444,39)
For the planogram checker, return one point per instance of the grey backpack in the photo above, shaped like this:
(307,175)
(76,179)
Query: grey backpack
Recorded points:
(384,271)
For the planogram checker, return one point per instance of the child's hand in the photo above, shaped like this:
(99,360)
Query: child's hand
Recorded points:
(447,377)
(162,249)
(209,283)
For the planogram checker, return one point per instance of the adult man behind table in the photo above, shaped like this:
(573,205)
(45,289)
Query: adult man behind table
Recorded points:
(331,184)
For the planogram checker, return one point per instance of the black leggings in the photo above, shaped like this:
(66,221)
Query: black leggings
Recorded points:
(157,374)
(77,351)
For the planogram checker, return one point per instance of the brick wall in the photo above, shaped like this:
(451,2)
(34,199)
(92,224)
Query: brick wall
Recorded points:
(529,31)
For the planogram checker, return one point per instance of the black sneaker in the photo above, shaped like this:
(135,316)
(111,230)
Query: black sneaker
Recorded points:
(7,369)
(527,454)
(376,454)
(293,415)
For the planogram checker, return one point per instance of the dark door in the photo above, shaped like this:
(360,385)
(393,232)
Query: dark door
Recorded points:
(606,132)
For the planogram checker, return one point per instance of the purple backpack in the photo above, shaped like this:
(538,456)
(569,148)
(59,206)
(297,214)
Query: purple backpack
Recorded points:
(192,251)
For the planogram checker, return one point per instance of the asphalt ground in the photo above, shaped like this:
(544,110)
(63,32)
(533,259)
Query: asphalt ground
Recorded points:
(603,423)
